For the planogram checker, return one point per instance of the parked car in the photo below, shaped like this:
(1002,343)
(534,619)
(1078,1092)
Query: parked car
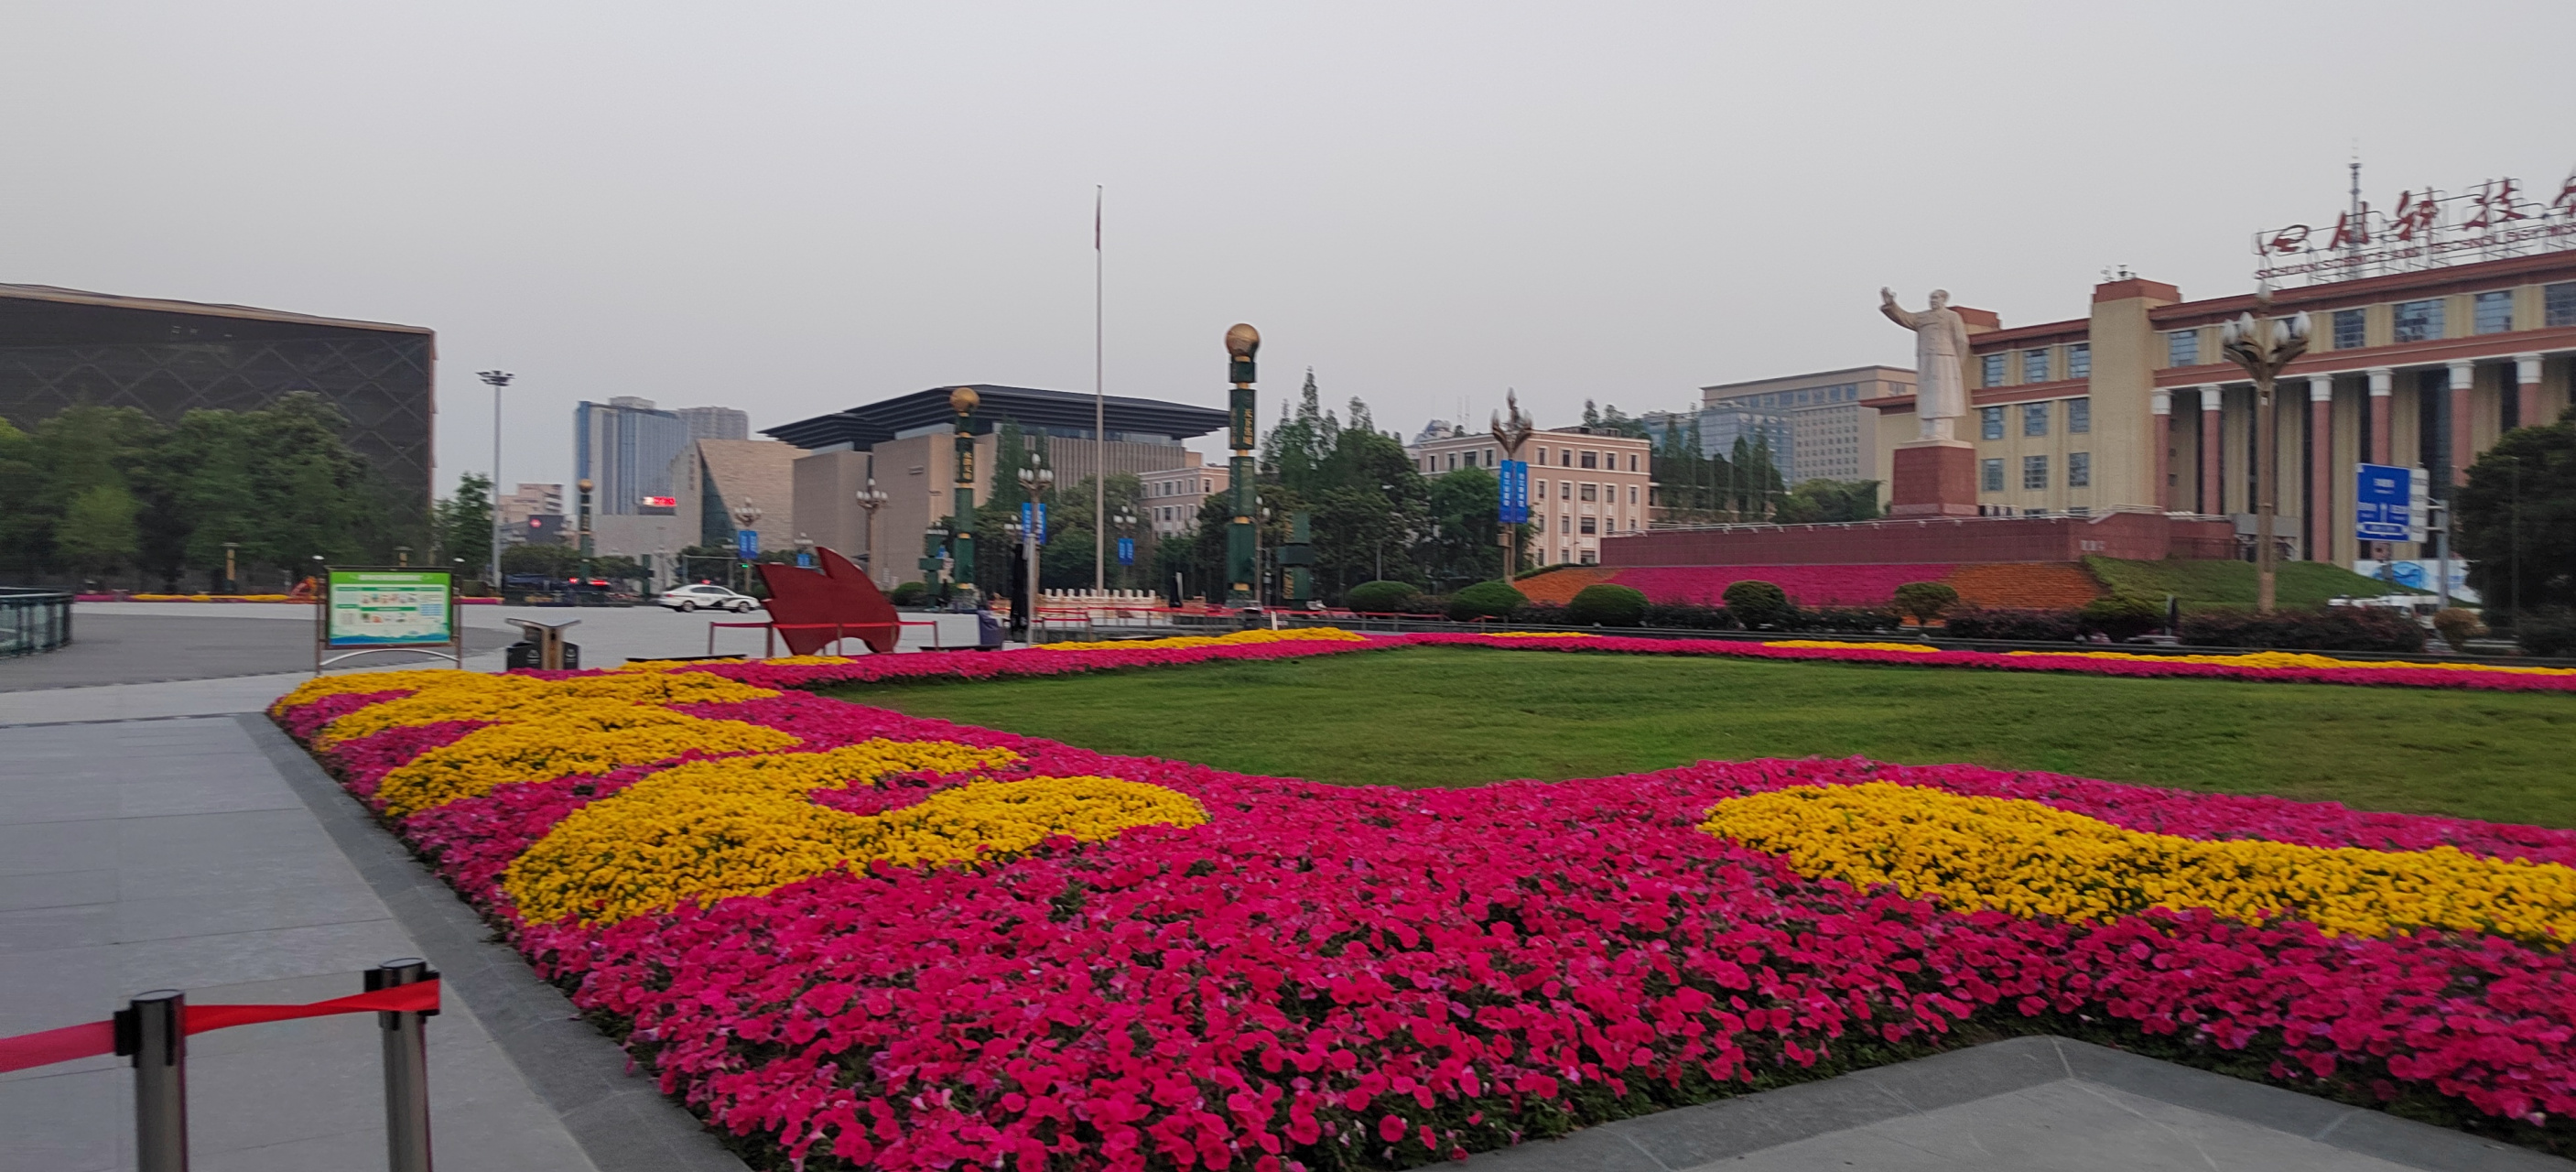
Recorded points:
(706,595)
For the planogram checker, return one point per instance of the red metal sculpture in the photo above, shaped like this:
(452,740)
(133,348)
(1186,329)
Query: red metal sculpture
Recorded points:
(812,609)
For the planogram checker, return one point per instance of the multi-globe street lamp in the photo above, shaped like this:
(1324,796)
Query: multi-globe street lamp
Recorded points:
(745,516)
(871,499)
(1126,521)
(2263,346)
(1035,479)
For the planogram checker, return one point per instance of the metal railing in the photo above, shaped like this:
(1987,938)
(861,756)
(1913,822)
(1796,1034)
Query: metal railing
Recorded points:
(34,620)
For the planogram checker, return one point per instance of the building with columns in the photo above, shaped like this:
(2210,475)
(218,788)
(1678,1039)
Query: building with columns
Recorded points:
(1173,495)
(2131,407)
(1586,484)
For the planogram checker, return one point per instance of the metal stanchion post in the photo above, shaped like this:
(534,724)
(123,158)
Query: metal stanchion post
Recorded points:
(152,1029)
(406,1069)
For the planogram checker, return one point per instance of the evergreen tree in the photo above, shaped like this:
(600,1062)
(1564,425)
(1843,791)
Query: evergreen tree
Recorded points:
(461,524)
(98,532)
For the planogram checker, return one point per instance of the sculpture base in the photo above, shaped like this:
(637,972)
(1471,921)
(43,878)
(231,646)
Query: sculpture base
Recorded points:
(1934,478)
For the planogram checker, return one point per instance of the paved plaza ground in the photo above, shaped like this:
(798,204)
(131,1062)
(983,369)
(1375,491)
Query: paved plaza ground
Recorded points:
(155,833)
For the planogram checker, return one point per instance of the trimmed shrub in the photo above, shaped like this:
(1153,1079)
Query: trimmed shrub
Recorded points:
(2546,632)
(1925,600)
(2458,626)
(1851,620)
(1541,614)
(908,594)
(1606,605)
(2122,618)
(1485,600)
(2022,626)
(2341,628)
(1689,616)
(1381,597)
(1757,605)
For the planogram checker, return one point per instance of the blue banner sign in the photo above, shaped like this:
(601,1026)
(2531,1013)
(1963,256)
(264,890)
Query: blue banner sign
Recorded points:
(1033,520)
(1126,551)
(1515,491)
(746,542)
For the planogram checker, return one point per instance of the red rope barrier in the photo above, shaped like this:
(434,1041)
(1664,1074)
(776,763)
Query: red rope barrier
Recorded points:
(99,1037)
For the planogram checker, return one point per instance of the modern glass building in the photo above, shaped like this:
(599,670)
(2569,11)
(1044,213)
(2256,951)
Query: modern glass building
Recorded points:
(63,346)
(624,447)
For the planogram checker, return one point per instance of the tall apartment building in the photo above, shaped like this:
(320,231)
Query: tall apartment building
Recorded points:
(1583,486)
(1173,495)
(624,447)
(531,500)
(715,423)
(1813,424)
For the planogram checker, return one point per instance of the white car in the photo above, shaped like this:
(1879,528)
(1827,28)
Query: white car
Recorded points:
(706,595)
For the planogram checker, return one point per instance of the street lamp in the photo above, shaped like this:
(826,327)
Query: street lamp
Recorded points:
(2263,346)
(804,550)
(1511,432)
(1126,521)
(745,516)
(871,499)
(1242,552)
(498,379)
(585,485)
(1035,479)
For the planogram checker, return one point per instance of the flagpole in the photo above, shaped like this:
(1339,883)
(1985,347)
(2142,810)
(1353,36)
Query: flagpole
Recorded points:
(1099,420)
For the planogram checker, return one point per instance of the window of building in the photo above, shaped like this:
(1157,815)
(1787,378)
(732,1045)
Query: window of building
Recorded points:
(1589,494)
(2558,305)
(1564,523)
(2350,329)
(2079,416)
(1990,424)
(1632,498)
(2034,419)
(2034,472)
(2034,366)
(1990,476)
(1588,527)
(1565,490)
(2182,348)
(2494,311)
(1993,368)
(1590,459)
(1632,461)
(1538,490)
(2418,321)
(2079,469)
(1565,457)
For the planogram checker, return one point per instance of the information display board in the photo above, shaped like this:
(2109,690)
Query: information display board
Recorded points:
(2389,503)
(389,608)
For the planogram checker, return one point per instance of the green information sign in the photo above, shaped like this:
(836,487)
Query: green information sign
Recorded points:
(390,608)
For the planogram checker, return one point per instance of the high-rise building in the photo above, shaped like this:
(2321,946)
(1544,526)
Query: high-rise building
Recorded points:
(624,447)
(532,500)
(716,423)
(1821,431)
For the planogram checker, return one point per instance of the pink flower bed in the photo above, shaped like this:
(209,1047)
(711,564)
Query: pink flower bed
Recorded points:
(2407,677)
(1332,977)
(1805,585)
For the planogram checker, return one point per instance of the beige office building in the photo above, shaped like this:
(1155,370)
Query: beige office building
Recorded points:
(1173,495)
(1583,486)
(1830,435)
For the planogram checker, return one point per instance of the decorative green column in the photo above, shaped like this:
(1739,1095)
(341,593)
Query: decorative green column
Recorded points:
(1241,572)
(961,544)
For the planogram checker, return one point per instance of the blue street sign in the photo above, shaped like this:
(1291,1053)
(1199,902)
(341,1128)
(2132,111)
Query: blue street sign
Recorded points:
(2388,503)
(1126,551)
(746,542)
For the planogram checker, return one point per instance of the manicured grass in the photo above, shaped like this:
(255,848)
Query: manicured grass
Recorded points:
(1462,716)
(2201,584)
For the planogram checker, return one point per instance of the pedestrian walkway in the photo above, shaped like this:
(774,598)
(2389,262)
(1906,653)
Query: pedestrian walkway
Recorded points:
(181,854)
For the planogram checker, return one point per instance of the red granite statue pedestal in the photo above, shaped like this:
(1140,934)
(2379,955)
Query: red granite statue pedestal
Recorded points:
(1934,478)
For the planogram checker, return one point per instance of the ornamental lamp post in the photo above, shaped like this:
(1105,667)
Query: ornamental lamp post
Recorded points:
(961,545)
(1510,432)
(871,499)
(746,515)
(2263,346)
(1035,479)
(1126,521)
(1242,568)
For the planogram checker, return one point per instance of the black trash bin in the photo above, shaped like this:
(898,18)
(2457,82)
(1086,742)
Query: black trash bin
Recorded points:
(524,654)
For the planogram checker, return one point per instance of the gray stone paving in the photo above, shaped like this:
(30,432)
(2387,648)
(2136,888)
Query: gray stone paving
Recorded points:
(173,854)
(2025,1105)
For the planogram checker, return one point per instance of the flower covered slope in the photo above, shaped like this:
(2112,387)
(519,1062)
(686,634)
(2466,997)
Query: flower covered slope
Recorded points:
(871,940)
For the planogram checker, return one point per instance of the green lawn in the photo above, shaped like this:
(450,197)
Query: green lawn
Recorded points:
(1461,716)
(2201,584)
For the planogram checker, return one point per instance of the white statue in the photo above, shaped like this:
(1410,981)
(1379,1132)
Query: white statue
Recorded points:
(1940,346)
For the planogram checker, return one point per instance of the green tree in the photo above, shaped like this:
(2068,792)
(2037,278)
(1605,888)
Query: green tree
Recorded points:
(1461,542)
(1829,500)
(2516,519)
(462,524)
(98,532)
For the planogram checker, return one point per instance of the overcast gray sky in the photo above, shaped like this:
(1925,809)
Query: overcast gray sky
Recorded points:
(793,208)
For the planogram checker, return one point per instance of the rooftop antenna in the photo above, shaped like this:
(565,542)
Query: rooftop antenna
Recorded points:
(2353,241)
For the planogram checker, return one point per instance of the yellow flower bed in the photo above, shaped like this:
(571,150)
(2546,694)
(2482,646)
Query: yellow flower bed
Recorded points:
(2304,659)
(578,736)
(505,698)
(321,687)
(2031,859)
(1293,635)
(709,830)
(1830,645)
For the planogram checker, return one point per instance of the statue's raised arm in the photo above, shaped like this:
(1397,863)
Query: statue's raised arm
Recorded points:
(1896,313)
